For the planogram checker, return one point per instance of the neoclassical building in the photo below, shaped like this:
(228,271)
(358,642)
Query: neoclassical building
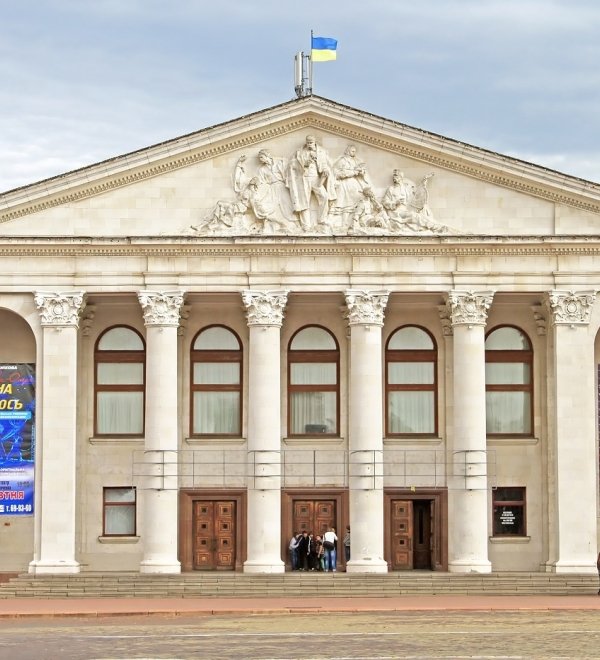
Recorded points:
(307,317)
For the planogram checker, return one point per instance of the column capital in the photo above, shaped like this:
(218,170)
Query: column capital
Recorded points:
(60,309)
(161,308)
(365,307)
(469,307)
(265,307)
(571,307)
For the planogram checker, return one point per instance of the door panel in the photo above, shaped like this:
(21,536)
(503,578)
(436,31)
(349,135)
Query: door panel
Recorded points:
(315,516)
(422,534)
(214,535)
(401,526)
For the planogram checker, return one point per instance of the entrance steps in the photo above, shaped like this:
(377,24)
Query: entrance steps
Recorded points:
(241,585)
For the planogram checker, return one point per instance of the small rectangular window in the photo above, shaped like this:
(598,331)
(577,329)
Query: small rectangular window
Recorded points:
(119,511)
(509,511)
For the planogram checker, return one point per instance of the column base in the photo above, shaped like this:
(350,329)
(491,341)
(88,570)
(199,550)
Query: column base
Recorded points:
(573,566)
(158,566)
(274,566)
(367,566)
(470,566)
(46,567)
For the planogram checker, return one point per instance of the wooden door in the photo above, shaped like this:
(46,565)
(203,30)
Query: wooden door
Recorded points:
(433,542)
(401,527)
(422,534)
(315,516)
(214,535)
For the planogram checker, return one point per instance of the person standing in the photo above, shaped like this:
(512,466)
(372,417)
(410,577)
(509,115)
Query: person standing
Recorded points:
(329,543)
(303,550)
(346,543)
(293,548)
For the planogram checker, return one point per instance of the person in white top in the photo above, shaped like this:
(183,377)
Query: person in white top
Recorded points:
(329,543)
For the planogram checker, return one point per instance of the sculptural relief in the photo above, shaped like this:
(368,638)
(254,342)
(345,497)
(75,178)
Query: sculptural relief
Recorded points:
(311,193)
(351,179)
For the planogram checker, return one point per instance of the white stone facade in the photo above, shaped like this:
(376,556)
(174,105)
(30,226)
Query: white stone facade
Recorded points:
(206,231)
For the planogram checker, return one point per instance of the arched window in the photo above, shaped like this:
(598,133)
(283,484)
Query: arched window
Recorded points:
(216,363)
(313,382)
(411,383)
(119,380)
(508,382)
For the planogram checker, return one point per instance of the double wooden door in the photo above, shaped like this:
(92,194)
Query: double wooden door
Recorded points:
(214,541)
(411,534)
(315,516)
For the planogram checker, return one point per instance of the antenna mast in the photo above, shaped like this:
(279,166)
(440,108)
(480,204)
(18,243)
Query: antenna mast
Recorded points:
(302,75)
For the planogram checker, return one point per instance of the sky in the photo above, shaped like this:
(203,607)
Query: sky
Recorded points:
(82,81)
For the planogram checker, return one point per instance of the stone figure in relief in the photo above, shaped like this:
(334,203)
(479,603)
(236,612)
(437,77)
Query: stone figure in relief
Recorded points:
(265,192)
(262,204)
(406,205)
(310,173)
(351,179)
(275,197)
(367,213)
(272,177)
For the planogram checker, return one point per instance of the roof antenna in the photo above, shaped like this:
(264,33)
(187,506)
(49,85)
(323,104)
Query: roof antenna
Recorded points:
(302,75)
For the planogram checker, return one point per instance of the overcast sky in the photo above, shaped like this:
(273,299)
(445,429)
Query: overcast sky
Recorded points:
(87,80)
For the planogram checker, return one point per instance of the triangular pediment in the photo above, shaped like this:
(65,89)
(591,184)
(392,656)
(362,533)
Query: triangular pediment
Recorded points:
(258,175)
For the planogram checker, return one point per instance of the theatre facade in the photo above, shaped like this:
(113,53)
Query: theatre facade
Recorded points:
(308,317)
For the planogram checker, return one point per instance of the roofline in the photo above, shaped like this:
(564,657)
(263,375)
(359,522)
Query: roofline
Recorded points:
(450,146)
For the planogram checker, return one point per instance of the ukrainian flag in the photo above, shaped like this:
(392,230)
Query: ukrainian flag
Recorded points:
(323,49)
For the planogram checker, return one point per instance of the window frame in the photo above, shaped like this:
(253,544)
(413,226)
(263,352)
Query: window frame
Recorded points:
(514,356)
(106,505)
(222,356)
(411,355)
(511,503)
(295,356)
(116,357)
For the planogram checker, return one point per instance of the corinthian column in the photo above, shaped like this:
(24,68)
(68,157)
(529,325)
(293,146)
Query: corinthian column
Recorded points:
(265,317)
(467,498)
(365,318)
(59,314)
(161,316)
(572,433)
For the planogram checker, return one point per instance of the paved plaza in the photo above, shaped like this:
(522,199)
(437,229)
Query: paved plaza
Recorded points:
(303,635)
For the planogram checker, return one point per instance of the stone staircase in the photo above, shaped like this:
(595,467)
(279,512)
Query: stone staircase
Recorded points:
(241,585)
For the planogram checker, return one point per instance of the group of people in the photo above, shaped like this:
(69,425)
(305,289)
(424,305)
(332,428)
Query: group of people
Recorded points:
(310,552)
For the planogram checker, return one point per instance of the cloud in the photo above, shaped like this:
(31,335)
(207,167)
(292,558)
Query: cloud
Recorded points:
(87,81)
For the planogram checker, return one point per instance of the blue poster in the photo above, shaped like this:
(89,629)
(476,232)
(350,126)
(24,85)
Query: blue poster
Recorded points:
(17,439)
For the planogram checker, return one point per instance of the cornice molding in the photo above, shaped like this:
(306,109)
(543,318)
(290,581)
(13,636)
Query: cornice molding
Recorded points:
(489,172)
(137,175)
(375,247)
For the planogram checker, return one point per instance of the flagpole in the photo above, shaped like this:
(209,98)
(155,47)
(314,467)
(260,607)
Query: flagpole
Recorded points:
(310,66)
